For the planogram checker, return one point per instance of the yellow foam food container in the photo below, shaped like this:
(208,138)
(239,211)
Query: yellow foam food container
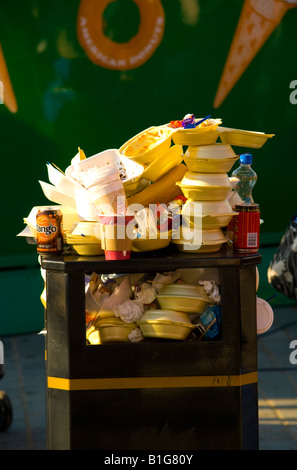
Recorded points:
(93,335)
(144,147)
(88,249)
(162,164)
(204,180)
(203,186)
(84,228)
(165,329)
(184,290)
(113,329)
(243,138)
(184,298)
(150,244)
(190,137)
(217,158)
(204,165)
(211,241)
(217,151)
(183,304)
(83,239)
(209,214)
(165,315)
(205,134)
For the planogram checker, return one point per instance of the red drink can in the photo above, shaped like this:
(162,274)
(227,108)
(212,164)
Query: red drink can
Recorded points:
(247,227)
(49,231)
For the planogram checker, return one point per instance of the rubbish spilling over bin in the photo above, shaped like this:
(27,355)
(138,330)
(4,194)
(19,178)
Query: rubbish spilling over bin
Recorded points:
(165,188)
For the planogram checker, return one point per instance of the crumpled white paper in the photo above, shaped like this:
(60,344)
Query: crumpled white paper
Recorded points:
(212,290)
(135,336)
(145,293)
(129,311)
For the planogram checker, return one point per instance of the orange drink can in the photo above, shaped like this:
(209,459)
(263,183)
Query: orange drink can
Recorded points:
(49,231)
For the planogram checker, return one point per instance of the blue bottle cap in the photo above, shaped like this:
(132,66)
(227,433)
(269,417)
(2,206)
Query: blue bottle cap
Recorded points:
(246,158)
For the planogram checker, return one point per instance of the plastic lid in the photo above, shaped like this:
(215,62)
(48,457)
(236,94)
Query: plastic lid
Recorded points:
(246,158)
(265,316)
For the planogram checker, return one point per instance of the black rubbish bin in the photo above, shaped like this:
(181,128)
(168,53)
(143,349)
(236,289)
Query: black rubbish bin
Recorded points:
(154,395)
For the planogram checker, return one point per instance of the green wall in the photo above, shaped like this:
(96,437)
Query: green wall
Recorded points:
(66,101)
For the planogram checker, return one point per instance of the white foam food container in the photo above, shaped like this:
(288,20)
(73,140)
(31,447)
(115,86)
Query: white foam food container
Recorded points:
(61,181)
(112,157)
(56,195)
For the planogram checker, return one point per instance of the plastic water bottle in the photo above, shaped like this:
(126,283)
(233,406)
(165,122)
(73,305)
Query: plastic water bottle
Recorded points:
(247,178)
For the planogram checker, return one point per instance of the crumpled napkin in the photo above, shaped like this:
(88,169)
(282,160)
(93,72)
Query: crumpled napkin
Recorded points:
(212,290)
(145,293)
(135,336)
(129,311)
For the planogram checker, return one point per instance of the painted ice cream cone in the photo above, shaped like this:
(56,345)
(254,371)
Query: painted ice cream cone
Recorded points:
(9,98)
(258,19)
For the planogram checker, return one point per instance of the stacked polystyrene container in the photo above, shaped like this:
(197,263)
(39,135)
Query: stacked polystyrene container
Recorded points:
(208,188)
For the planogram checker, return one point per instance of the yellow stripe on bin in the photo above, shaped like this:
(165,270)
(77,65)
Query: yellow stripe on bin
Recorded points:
(119,383)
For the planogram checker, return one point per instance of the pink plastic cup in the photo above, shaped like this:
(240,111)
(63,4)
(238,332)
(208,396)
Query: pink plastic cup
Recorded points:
(117,255)
(115,248)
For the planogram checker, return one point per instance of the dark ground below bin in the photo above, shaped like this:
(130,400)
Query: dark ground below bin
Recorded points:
(24,382)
